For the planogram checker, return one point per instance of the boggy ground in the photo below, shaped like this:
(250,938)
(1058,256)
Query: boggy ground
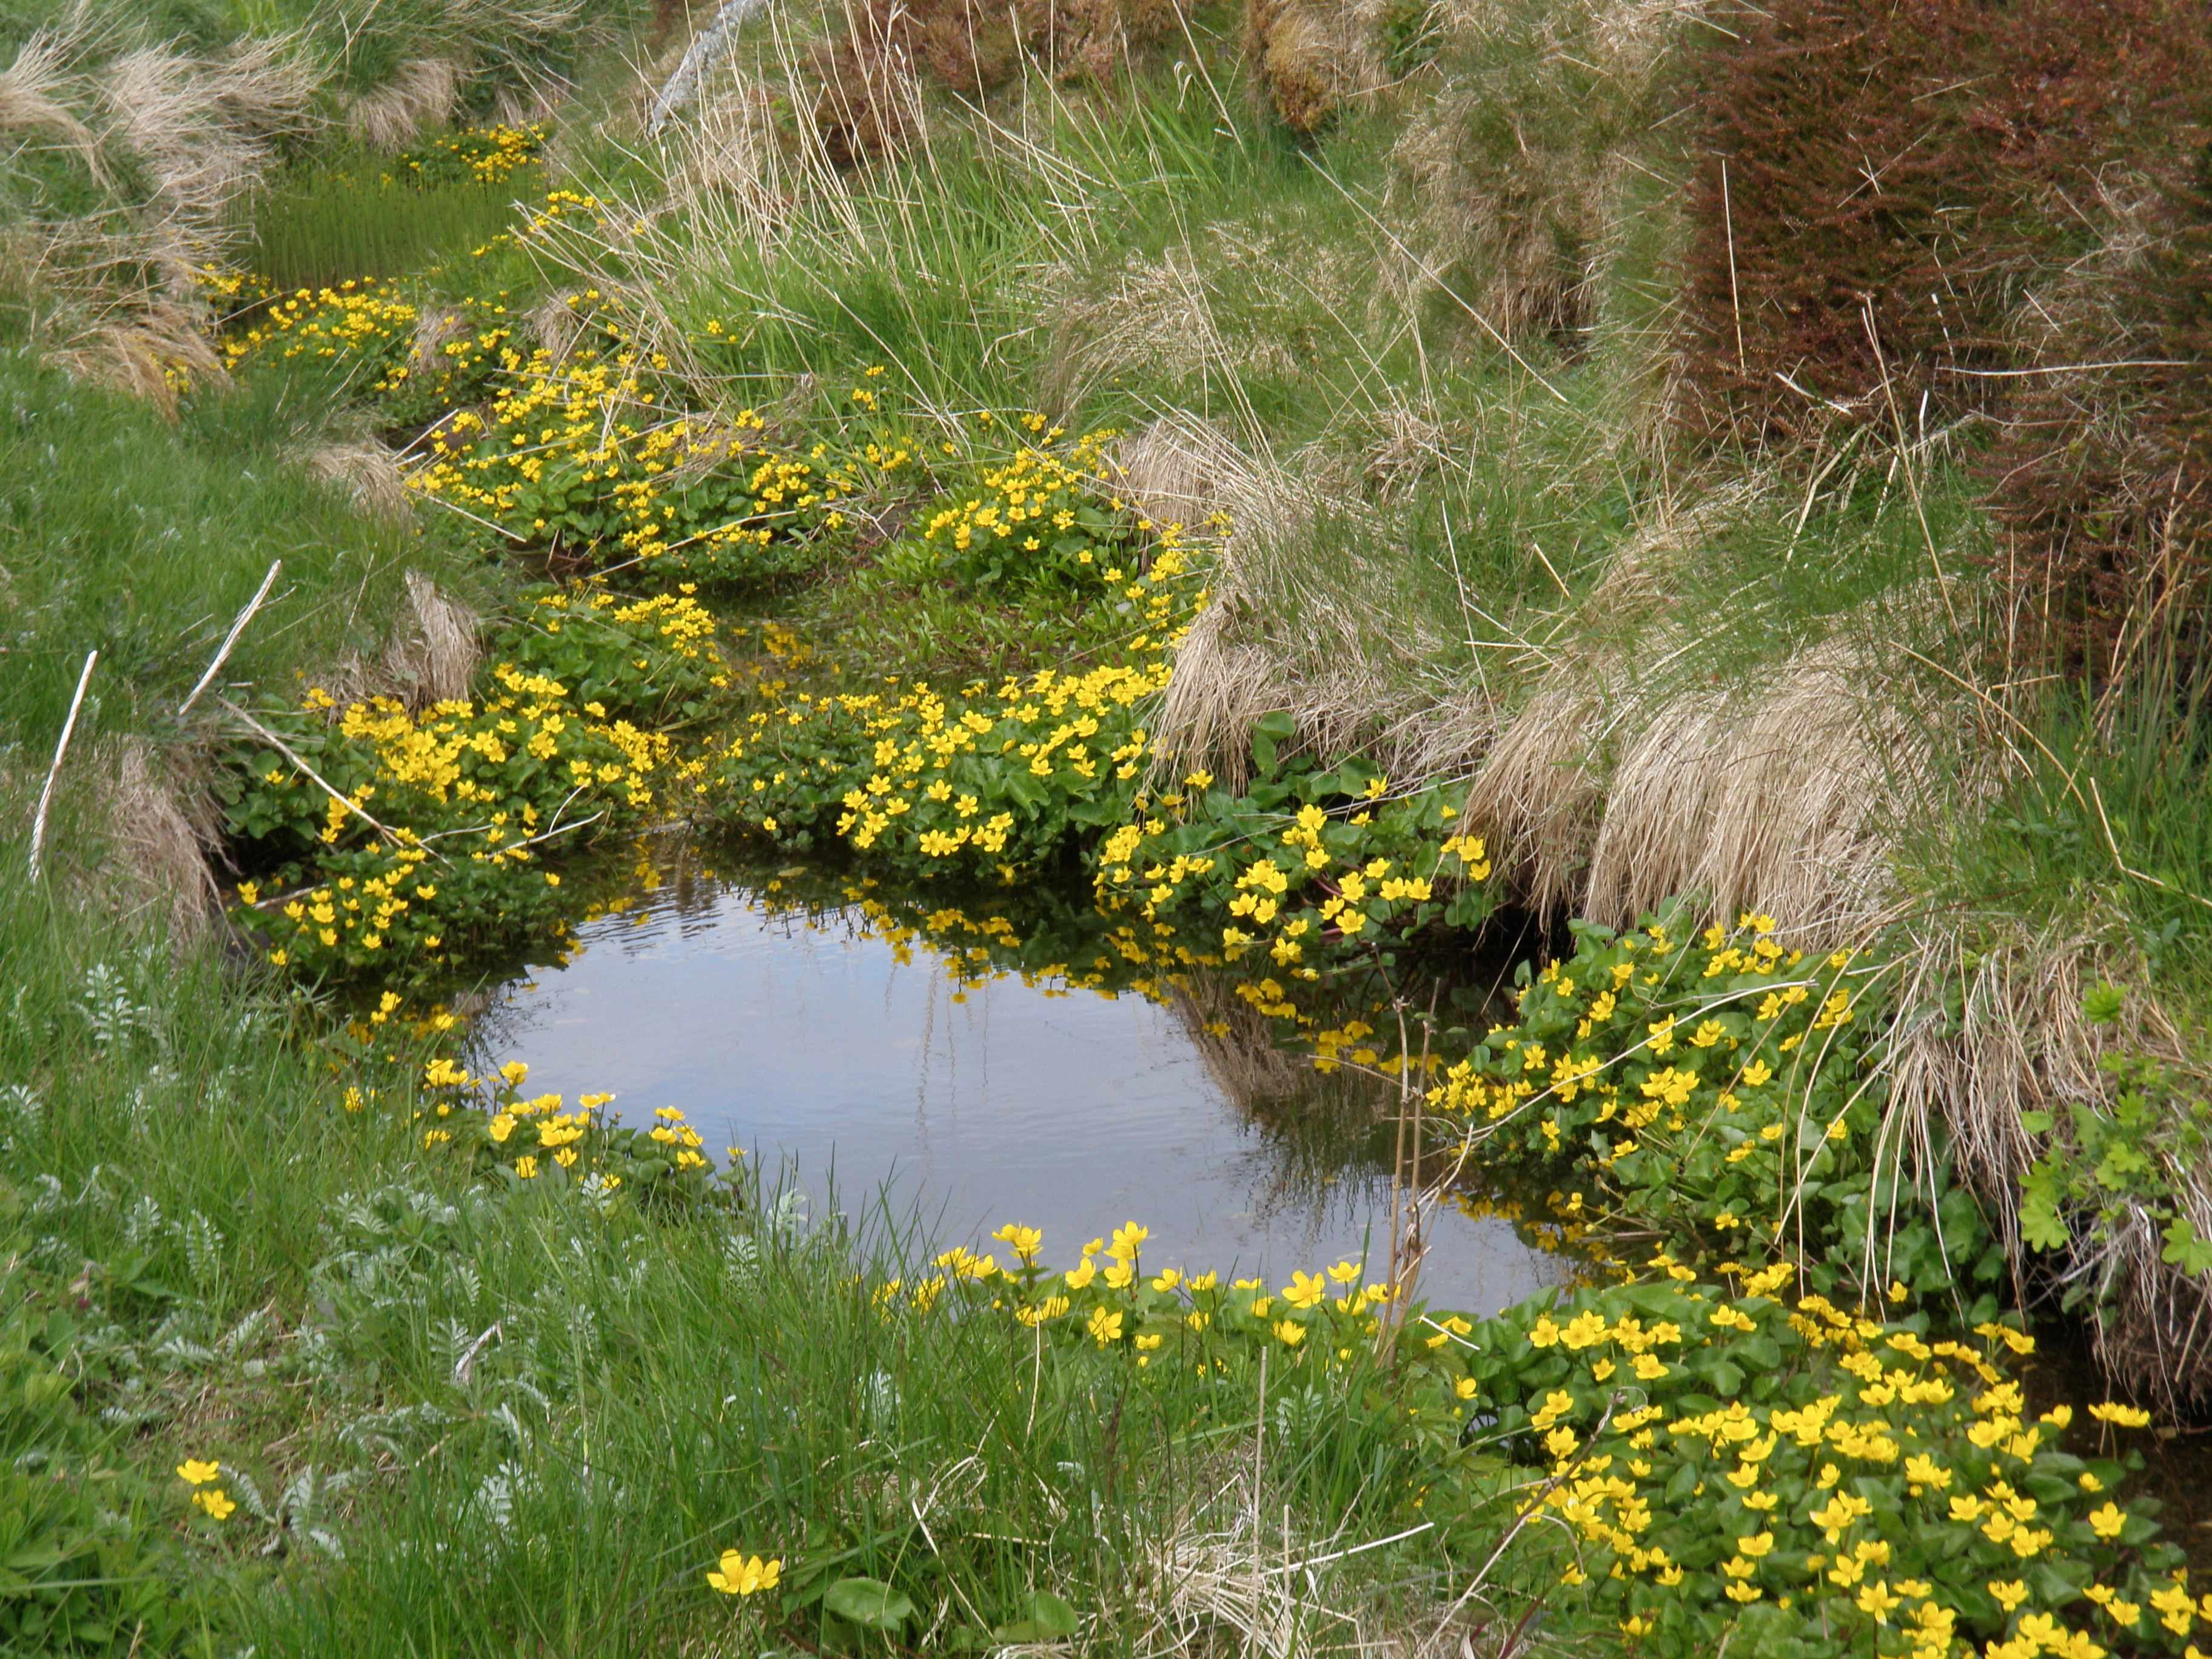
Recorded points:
(1236,462)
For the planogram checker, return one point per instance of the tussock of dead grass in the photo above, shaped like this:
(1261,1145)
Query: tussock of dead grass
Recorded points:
(1515,172)
(161,816)
(1309,60)
(1230,1574)
(429,658)
(1990,1033)
(422,94)
(366,471)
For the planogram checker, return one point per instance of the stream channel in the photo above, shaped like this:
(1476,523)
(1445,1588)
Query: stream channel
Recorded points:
(863,1069)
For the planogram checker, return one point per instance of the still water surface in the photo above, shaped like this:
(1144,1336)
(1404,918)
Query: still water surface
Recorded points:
(829,1059)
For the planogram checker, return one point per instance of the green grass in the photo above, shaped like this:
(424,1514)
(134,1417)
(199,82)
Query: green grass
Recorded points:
(346,219)
(654,1392)
(142,540)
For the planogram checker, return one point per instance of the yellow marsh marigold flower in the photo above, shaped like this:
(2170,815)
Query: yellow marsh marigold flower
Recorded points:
(1290,1333)
(216,1502)
(2175,1610)
(2125,1417)
(741,1577)
(2009,1592)
(1305,1290)
(1877,1601)
(1105,1326)
(197,1473)
(1024,1241)
(2108,1521)
(1126,1239)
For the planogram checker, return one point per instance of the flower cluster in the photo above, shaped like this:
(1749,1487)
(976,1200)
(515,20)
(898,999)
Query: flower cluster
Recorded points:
(208,1498)
(988,780)
(1326,1319)
(1822,1476)
(1307,873)
(475,155)
(512,1137)
(1712,1085)
(404,836)
(1044,516)
(587,453)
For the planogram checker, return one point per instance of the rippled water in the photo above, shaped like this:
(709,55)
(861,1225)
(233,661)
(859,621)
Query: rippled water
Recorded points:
(832,1054)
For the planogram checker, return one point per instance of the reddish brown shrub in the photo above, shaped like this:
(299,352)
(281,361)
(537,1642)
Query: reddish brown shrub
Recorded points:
(1920,162)
(1910,213)
(970,47)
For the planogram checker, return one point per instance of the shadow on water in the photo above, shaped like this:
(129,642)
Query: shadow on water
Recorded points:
(981,1058)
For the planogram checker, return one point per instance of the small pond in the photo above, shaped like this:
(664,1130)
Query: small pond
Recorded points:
(855,1063)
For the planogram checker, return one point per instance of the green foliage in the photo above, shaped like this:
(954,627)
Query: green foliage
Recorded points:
(1799,1482)
(507,1138)
(144,537)
(363,216)
(86,1563)
(1714,1086)
(428,855)
(2102,1167)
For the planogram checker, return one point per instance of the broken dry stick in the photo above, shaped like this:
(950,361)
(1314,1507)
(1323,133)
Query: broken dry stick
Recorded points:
(231,638)
(61,748)
(315,777)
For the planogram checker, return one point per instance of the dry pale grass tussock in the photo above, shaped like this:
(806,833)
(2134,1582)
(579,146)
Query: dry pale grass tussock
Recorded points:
(368,471)
(1230,1575)
(1332,646)
(1309,60)
(1990,1032)
(430,656)
(1785,796)
(32,92)
(202,128)
(170,141)
(163,823)
(1152,316)
(736,157)
(421,93)
(434,660)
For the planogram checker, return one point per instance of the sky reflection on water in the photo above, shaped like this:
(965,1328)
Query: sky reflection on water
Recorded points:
(818,1049)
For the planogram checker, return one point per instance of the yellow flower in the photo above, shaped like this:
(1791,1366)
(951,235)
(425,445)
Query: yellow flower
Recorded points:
(2109,1520)
(2125,1417)
(2009,1593)
(197,1473)
(1290,1333)
(215,1501)
(1305,1290)
(1105,1326)
(1877,1601)
(741,1577)
(1024,1241)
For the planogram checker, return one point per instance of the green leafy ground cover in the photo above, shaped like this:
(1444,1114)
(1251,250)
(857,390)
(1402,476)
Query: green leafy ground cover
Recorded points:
(317,1340)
